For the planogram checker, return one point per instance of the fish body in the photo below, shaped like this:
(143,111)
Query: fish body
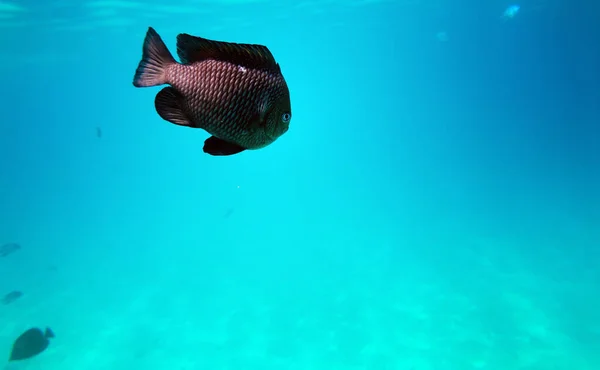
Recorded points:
(31,343)
(235,92)
(511,12)
(9,248)
(11,297)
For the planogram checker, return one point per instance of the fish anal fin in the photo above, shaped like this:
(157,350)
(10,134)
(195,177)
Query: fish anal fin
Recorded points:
(168,103)
(192,49)
(218,147)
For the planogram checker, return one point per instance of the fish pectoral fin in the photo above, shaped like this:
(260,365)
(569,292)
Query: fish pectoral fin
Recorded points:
(256,122)
(259,119)
(192,49)
(218,147)
(168,103)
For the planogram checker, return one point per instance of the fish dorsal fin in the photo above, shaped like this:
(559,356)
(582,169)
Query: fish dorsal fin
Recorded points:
(49,333)
(192,49)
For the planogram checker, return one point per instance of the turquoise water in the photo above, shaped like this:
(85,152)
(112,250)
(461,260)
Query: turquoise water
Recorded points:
(435,204)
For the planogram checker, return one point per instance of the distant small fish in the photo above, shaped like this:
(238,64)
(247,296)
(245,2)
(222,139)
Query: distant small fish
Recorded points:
(9,248)
(11,297)
(31,343)
(228,213)
(511,12)
(442,36)
(235,92)
(98,132)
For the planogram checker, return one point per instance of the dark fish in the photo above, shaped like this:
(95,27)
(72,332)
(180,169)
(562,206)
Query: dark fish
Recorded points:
(32,342)
(11,297)
(98,132)
(235,92)
(9,248)
(228,213)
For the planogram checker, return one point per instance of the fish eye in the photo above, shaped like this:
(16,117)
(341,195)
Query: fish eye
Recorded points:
(286,117)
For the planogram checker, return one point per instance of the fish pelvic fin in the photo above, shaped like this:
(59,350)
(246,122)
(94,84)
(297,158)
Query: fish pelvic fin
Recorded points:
(218,147)
(151,70)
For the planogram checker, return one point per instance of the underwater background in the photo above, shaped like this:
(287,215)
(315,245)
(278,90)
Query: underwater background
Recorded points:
(435,204)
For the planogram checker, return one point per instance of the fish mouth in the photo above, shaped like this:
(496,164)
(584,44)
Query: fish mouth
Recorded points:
(274,134)
(270,136)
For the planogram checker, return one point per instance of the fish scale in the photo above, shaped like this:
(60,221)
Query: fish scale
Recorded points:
(235,92)
(201,82)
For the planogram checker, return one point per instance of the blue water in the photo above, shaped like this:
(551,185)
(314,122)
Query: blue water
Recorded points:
(435,204)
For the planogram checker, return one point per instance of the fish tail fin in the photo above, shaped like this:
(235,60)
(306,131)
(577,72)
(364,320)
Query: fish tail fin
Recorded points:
(49,333)
(155,59)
